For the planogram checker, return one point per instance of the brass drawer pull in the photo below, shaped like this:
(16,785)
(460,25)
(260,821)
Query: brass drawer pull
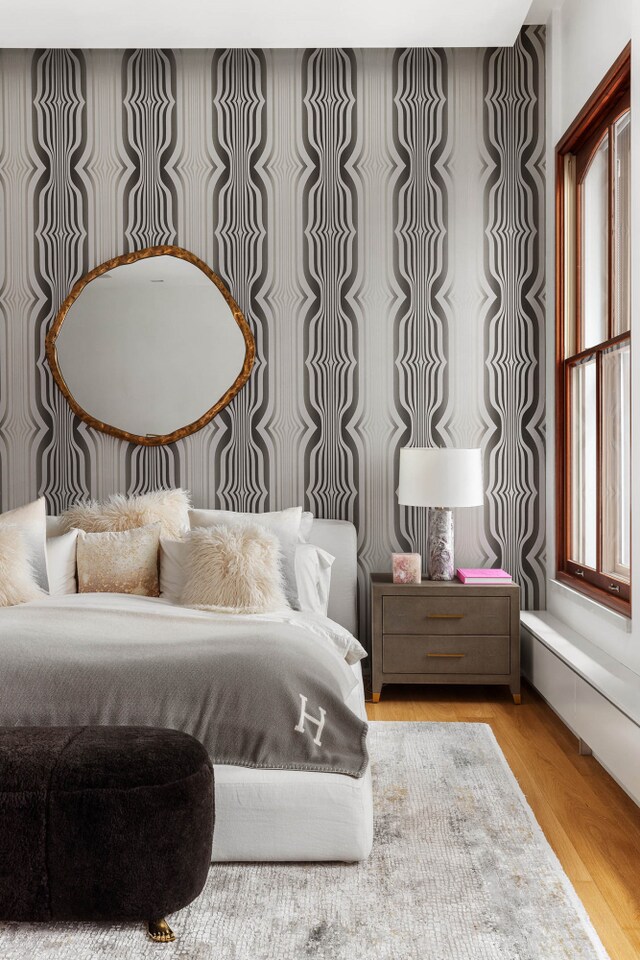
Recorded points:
(445,616)
(453,655)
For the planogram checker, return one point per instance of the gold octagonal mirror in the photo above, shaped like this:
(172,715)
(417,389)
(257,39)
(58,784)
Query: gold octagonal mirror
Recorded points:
(150,346)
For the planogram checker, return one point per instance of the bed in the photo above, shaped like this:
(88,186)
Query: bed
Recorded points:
(107,658)
(286,815)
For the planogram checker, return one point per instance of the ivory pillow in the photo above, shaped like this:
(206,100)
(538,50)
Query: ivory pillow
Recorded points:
(174,555)
(285,524)
(169,508)
(32,521)
(234,569)
(61,563)
(119,562)
(17,576)
(313,577)
(306,523)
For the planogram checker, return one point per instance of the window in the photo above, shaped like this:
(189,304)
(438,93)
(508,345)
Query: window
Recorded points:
(593,310)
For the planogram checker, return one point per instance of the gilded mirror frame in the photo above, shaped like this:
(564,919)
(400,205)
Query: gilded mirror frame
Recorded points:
(128,258)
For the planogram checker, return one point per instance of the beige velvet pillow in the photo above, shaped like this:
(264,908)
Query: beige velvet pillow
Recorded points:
(119,562)
(169,508)
(17,575)
(234,569)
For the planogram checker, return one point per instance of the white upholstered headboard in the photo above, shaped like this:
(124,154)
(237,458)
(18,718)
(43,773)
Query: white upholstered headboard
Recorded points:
(339,538)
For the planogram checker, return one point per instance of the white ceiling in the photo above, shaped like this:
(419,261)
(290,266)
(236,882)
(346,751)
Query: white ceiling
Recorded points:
(540,10)
(265,23)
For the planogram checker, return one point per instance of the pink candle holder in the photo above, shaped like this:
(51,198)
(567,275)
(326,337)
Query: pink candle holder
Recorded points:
(407,567)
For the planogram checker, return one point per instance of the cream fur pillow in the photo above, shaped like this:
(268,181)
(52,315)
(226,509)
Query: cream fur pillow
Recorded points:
(32,521)
(234,569)
(285,524)
(119,562)
(17,576)
(169,508)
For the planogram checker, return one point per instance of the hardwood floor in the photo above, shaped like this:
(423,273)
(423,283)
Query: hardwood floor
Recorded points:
(592,825)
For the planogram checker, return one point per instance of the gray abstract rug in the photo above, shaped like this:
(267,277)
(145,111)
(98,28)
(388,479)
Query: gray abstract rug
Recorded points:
(460,870)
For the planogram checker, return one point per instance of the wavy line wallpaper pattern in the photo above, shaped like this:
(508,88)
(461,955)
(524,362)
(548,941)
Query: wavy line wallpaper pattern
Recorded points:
(378,215)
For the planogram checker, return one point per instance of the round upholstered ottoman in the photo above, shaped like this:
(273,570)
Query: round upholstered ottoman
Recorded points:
(103,823)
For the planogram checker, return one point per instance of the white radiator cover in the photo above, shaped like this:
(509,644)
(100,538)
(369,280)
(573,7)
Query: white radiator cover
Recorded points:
(578,692)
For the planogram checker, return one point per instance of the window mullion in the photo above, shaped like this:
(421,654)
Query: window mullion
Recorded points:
(569,464)
(578,315)
(599,490)
(610,234)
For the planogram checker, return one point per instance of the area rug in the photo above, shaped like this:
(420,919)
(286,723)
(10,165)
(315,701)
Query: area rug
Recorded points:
(460,870)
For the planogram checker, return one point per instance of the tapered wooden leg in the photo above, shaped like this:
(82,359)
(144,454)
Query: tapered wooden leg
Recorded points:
(517,698)
(375,697)
(159,931)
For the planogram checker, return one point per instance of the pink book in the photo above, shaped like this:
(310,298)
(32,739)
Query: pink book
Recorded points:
(482,575)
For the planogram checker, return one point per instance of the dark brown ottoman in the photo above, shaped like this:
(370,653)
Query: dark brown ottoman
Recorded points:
(103,823)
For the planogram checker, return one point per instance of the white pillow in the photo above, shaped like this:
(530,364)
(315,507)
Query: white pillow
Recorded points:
(17,576)
(313,577)
(174,556)
(234,568)
(61,563)
(32,521)
(305,526)
(285,524)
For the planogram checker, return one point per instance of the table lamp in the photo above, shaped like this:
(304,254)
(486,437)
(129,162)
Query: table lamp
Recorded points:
(440,478)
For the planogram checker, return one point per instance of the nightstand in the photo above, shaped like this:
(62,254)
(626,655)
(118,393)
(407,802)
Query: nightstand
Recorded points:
(444,632)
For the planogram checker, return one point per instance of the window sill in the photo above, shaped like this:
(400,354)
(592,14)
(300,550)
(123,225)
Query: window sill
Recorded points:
(603,614)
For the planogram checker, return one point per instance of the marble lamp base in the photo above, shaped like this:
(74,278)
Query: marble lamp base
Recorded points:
(440,546)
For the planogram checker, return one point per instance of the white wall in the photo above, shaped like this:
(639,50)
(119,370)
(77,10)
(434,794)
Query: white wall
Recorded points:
(584,38)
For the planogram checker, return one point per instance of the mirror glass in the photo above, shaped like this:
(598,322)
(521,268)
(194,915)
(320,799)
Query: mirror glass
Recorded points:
(152,349)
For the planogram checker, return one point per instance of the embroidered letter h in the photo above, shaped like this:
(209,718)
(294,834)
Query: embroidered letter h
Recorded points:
(306,716)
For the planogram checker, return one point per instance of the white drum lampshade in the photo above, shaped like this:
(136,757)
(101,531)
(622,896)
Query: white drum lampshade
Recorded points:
(440,478)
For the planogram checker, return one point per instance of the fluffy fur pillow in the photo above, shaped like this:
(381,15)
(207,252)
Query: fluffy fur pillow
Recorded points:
(285,524)
(17,577)
(119,562)
(234,569)
(32,521)
(169,508)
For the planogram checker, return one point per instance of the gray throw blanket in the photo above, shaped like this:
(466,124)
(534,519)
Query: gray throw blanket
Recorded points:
(264,691)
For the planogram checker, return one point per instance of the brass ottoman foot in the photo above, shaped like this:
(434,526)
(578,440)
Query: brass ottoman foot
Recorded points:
(159,931)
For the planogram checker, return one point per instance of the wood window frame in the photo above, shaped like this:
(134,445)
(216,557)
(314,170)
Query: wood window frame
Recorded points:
(580,142)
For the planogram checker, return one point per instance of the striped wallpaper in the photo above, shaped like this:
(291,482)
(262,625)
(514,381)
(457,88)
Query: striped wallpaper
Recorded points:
(377,214)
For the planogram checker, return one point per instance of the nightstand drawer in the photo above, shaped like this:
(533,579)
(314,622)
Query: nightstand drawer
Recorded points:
(446,615)
(430,654)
